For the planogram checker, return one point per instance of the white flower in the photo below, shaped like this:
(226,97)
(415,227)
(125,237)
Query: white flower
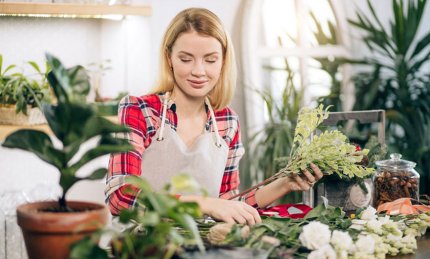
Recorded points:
(365,244)
(357,224)
(341,241)
(409,244)
(392,227)
(393,239)
(368,213)
(385,219)
(324,252)
(315,235)
(374,226)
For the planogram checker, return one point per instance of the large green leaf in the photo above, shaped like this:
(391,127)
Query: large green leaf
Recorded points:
(96,174)
(99,151)
(38,143)
(58,79)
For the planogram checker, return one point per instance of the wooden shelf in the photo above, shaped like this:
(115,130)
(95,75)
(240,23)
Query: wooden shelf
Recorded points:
(5,130)
(72,10)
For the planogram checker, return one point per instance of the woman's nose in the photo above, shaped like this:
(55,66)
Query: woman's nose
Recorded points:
(198,69)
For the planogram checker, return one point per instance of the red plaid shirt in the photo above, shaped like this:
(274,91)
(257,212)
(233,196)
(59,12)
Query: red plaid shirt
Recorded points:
(143,116)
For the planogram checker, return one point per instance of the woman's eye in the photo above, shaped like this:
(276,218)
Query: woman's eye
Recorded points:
(211,61)
(185,60)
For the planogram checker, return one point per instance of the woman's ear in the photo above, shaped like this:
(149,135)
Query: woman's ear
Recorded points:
(169,60)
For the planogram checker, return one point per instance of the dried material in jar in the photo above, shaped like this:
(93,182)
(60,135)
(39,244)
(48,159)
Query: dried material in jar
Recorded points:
(391,186)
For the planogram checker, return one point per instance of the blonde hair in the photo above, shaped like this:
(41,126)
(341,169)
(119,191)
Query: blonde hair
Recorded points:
(206,23)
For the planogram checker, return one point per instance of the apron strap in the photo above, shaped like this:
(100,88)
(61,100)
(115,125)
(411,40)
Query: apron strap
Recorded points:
(163,119)
(218,138)
(163,116)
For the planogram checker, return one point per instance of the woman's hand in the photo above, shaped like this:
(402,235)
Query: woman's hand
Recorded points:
(303,182)
(231,211)
(226,210)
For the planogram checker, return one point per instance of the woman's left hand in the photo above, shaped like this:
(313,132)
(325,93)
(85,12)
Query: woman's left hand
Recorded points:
(304,181)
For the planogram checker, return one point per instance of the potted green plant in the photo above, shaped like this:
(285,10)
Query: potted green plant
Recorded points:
(22,95)
(50,227)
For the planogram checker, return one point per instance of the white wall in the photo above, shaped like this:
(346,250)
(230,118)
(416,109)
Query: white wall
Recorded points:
(132,45)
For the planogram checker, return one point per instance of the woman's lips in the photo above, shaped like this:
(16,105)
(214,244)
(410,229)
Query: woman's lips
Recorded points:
(197,84)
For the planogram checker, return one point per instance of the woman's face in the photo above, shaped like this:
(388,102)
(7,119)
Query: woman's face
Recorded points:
(197,62)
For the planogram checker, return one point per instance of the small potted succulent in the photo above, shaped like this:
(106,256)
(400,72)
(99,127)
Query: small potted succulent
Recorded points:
(22,95)
(50,227)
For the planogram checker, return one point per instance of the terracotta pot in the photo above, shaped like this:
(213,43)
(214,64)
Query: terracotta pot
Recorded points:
(50,234)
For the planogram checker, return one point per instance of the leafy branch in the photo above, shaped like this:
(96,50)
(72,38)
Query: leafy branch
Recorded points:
(330,150)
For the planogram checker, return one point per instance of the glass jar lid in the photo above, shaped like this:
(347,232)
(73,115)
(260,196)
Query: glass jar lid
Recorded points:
(395,162)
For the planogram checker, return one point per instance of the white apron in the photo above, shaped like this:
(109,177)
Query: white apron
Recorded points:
(168,155)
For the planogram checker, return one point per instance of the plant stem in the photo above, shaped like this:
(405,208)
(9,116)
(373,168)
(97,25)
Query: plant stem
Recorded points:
(63,203)
(279,174)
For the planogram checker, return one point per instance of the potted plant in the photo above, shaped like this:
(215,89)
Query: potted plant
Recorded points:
(50,227)
(21,95)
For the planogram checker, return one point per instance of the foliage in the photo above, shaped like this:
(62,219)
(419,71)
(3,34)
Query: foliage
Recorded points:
(370,235)
(275,139)
(23,90)
(73,122)
(156,228)
(329,150)
(398,81)
(328,64)
(287,230)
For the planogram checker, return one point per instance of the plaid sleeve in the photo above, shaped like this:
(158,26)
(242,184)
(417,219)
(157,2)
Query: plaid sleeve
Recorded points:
(136,114)
(229,129)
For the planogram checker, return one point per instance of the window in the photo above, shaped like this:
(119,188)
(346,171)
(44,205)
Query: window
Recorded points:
(284,31)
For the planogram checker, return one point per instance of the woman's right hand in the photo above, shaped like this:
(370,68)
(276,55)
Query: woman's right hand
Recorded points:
(226,210)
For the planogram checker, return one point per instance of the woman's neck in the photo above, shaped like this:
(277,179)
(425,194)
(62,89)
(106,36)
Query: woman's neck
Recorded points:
(188,107)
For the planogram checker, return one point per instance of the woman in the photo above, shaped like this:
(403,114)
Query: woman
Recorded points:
(185,125)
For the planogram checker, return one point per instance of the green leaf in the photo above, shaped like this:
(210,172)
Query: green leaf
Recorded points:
(35,66)
(36,142)
(97,174)
(125,216)
(184,183)
(87,248)
(58,79)
(101,150)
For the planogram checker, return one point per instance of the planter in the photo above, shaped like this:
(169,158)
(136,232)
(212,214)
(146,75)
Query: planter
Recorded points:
(9,116)
(50,234)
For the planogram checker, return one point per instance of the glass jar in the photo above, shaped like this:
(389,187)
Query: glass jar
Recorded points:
(396,178)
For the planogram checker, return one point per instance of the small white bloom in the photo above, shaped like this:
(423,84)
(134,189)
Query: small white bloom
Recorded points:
(357,224)
(392,227)
(315,235)
(341,241)
(324,252)
(374,225)
(365,244)
(409,242)
(368,213)
(385,219)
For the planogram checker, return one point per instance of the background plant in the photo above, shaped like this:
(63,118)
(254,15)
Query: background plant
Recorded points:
(23,90)
(73,122)
(398,81)
(275,138)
